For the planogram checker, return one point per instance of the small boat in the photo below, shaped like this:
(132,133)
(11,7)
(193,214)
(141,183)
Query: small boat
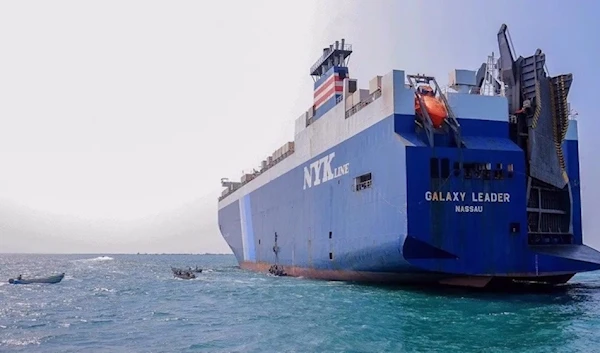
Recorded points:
(183,274)
(51,279)
(277,270)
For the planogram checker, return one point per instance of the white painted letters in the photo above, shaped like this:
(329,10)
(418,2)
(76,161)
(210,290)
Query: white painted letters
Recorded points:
(490,197)
(316,166)
(444,196)
(468,209)
(328,172)
(307,177)
(460,196)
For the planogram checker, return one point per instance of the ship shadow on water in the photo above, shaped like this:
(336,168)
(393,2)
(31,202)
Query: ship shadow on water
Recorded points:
(538,293)
(524,318)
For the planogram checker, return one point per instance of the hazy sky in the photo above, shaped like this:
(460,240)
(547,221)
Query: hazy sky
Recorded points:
(118,118)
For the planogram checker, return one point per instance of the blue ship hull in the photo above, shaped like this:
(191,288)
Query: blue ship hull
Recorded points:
(368,195)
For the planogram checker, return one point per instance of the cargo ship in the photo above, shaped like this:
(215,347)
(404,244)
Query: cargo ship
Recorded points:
(473,185)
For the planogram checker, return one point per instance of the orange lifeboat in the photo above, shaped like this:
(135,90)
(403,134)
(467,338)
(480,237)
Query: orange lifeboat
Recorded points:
(435,107)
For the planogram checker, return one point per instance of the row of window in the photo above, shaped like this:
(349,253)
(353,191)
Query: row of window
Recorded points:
(440,168)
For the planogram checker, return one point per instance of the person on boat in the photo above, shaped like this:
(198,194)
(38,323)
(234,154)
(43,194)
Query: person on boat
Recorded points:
(20,277)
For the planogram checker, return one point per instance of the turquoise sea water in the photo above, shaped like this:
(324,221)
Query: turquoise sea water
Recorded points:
(132,303)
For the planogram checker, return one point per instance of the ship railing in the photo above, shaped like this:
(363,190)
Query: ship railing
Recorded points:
(257,173)
(230,190)
(326,54)
(357,107)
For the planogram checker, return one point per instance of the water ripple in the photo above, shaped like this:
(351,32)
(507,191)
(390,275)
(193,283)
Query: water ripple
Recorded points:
(129,303)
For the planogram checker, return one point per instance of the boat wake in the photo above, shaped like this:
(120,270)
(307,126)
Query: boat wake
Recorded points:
(95,259)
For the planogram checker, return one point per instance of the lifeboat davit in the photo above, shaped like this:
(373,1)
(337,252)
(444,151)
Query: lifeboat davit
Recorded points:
(435,107)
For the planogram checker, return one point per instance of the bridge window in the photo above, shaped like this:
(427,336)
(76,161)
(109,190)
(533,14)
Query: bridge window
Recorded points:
(477,170)
(362,182)
(487,171)
(434,167)
(510,170)
(469,169)
(498,172)
(445,168)
(456,168)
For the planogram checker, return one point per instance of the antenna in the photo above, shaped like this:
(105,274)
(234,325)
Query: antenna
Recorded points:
(492,84)
(335,55)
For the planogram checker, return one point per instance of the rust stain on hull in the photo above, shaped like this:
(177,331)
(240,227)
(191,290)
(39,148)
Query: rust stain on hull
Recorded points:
(407,278)
(342,275)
